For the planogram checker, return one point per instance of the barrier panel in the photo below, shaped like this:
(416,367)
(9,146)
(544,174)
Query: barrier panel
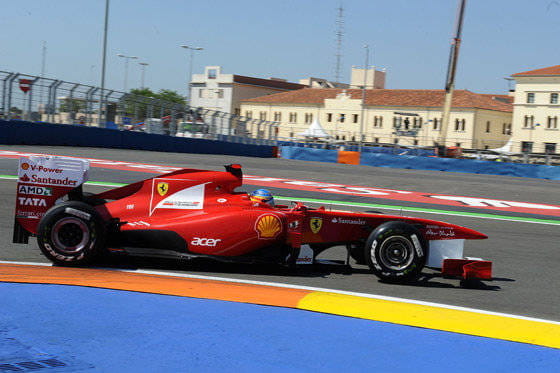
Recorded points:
(423,163)
(16,132)
(461,165)
(309,154)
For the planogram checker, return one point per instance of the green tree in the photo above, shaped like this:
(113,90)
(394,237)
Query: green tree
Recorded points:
(171,96)
(68,105)
(137,102)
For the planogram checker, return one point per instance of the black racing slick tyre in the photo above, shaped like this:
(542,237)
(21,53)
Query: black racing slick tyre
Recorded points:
(396,252)
(72,234)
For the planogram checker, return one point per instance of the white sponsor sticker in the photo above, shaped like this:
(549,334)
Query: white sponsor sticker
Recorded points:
(35,190)
(202,241)
(78,213)
(27,201)
(186,199)
(417,245)
(51,170)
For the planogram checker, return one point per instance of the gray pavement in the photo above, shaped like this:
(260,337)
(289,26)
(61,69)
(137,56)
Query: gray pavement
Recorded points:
(526,256)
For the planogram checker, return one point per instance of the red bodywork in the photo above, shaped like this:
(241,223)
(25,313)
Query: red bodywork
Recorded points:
(204,210)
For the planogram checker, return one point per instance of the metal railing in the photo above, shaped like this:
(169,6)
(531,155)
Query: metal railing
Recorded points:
(37,99)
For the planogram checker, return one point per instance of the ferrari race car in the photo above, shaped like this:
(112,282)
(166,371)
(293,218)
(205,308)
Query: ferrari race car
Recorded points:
(196,213)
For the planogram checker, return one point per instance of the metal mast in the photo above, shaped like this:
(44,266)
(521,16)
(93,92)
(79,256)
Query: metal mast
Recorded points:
(451,69)
(339,34)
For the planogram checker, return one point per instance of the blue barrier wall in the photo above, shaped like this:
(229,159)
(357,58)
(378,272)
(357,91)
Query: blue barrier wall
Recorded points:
(462,165)
(428,163)
(309,154)
(365,149)
(28,133)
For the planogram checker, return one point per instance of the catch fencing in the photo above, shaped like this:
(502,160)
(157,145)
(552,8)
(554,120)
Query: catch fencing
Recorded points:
(38,99)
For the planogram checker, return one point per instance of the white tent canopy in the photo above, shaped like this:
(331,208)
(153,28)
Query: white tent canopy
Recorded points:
(506,149)
(315,130)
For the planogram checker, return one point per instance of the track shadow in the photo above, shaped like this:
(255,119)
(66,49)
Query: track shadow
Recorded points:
(319,270)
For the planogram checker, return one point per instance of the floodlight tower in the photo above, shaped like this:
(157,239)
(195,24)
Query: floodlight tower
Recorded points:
(339,34)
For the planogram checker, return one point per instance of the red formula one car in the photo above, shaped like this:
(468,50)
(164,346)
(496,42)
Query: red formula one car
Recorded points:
(197,213)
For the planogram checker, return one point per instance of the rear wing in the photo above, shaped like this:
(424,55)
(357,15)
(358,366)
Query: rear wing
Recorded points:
(42,180)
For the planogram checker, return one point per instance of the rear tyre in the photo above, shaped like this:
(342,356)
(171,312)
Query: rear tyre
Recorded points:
(396,252)
(72,234)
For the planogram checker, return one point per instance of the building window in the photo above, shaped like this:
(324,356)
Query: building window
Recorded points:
(397,122)
(237,111)
(417,122)
(530,98)
(554,98)
(249,114)
(378,122)
(277,116)
(262,115)
(457,125)
(415,142)
(529,121)
(396,141)
(458,144)
(329,117)
(342,117)
(355,118)
(527,146)
(550,147)
(551,122)
(506,129)
(220,93)
(291,134)
(437,124)
(200,93)
(293,117)
(376,140)
(308,118)
(406,123)
(488,127)
(212,73)
(463,124)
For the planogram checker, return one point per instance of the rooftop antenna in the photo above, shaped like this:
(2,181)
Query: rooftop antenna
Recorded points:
(339,34)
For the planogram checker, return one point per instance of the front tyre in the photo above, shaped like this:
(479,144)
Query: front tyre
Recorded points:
(396,252)
(71,233)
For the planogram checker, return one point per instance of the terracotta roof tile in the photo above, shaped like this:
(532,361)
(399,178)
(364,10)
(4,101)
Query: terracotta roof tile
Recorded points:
(389,97)
(552,70)
(267,82)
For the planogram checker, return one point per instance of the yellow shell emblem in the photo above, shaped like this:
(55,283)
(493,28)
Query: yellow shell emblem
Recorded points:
(268,226)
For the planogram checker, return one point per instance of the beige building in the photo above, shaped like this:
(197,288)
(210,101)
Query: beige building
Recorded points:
(407,117)
(372,77)
(223,92)
(536,110)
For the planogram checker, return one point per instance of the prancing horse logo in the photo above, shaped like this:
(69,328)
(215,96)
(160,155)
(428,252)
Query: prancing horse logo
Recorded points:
(162,188)
(315,224)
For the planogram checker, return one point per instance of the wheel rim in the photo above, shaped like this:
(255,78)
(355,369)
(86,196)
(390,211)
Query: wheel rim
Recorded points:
(396,253)
(70,235)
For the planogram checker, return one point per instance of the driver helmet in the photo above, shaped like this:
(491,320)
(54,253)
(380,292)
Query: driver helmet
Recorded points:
(262,195)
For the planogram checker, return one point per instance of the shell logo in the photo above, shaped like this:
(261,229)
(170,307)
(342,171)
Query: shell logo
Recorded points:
(24,166)
(268,226)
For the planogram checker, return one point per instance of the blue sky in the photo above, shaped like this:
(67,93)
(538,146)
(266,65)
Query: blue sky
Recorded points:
(290,39)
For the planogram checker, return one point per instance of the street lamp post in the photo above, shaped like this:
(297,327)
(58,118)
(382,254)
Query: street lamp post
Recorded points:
(192,49)
(362,119)
(143,64)
(103,63)
(126,58)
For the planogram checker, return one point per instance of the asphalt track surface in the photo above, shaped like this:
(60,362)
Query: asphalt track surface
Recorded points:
(526,256)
